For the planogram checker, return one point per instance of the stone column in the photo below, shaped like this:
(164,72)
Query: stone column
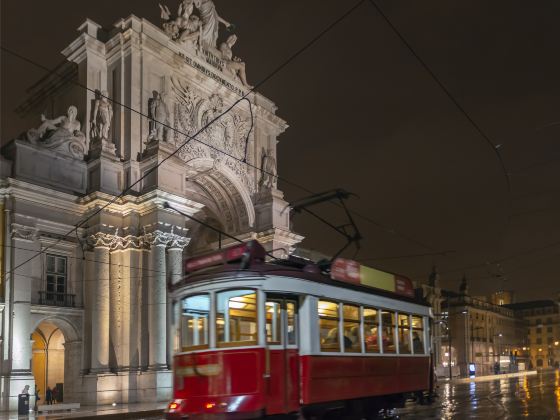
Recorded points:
(72,363)
(175,270)
(157,300)
(101,243)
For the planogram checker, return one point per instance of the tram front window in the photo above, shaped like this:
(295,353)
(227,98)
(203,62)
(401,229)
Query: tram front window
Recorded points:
(236,318)
(328,326)
(194,322)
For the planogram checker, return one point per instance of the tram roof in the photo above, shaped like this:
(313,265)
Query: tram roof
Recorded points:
(291,267)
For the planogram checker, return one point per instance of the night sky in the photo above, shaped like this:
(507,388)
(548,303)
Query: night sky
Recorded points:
(365,116)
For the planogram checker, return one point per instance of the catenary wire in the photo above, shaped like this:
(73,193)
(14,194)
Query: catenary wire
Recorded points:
(494,146)
(189,137)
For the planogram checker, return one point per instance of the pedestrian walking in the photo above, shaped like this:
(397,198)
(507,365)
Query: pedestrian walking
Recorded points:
(48,396)
(55,395)
(37,399)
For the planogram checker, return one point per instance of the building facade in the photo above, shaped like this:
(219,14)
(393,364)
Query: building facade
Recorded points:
(542,318)
(84,267)
(479,333)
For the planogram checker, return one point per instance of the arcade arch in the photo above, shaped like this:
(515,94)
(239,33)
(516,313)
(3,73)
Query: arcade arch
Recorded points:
(56,350)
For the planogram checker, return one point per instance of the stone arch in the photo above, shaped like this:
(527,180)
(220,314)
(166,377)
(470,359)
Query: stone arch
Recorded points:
(57,354)
(224,195)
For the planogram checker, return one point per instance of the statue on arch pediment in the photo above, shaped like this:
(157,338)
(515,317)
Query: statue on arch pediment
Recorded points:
(61,134)
(185,28)
(233,64)
(200,28)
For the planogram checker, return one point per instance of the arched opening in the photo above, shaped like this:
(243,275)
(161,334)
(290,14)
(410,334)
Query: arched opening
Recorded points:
(48,359)
(56,358)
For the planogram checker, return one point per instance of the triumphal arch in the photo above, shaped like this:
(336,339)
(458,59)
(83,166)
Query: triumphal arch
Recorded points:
(139,107)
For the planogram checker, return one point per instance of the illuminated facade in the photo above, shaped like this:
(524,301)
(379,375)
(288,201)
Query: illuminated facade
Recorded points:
(481,333)
(542,319)
(90,309)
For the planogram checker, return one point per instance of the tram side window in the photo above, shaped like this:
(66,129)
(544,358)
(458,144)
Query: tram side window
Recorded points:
(291,316)
(236,318)
(388,331)
(404,334)
(351,325)
(194,322)
(273,322)
(418,335)
(328,326)
(371,330)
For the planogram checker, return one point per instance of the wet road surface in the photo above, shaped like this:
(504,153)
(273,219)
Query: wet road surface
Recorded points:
(533,397)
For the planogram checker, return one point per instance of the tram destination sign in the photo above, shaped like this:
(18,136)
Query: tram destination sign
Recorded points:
(252,250)
(353,272)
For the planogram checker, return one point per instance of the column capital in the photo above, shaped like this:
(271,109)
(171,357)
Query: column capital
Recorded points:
(178,242)
(157,238)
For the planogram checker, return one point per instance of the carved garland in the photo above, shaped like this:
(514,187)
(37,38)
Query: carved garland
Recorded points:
(115,242)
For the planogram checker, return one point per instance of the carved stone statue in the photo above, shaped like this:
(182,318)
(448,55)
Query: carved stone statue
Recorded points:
(201,28)
(102,116)
(61,134)
(268,170)
(210,22)
(232,64)
(186,27)
(159,116)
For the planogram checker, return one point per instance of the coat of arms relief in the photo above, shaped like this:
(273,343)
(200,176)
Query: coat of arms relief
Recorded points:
(227,140)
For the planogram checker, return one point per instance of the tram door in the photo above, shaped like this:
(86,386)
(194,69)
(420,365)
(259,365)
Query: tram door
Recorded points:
(282,358)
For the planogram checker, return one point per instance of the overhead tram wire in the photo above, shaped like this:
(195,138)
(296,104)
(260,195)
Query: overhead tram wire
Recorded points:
(480,131)
(189,137)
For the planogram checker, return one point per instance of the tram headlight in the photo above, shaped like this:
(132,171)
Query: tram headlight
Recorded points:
(175,405)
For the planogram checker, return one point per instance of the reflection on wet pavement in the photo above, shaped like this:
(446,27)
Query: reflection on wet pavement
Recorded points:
(534,397)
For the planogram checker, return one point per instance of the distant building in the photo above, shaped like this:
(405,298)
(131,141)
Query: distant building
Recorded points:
(502,297)
(542,341)
(479,332)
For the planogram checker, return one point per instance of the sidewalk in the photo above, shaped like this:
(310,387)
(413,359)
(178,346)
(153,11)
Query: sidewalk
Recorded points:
(492,377)
(104,412)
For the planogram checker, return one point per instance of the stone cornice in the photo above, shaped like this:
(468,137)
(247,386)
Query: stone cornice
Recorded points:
(68,203)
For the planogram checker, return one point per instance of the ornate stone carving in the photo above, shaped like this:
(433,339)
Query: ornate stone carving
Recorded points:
(61,135)
(210,22)
(268,170)
(27,233)
(188,26)
(129,241)
(102,239)
(159,117)
(233,64)
(157,237)
(178,242)
(102,116)
(226,134)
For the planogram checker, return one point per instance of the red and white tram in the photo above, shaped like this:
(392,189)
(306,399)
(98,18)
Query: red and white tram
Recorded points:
(257,338)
